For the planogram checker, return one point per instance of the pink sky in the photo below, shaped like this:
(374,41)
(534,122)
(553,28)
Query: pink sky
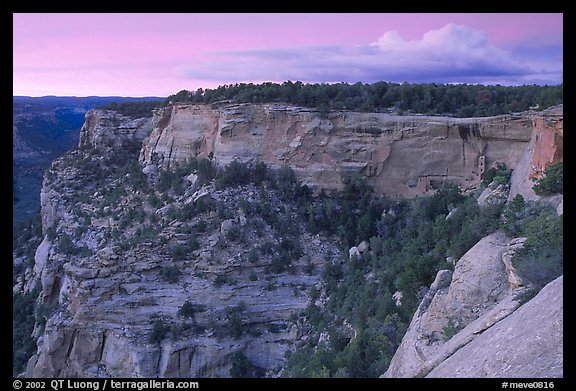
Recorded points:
(161,54)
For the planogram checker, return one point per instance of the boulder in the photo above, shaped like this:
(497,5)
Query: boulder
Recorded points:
(150,169)
(354,253)
(397,296)
(242,220)
(226,226)
(442,280)
(192,178)
(494,195)
(362,247)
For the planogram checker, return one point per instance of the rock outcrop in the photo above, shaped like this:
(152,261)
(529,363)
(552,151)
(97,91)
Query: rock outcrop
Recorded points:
(107,128)
(546,146)
(537,330)
(464,328)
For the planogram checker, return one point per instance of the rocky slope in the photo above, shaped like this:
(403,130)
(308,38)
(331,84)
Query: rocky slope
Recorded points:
(117,263)
(109,294)
(538,329)
(44,128)
(465,325)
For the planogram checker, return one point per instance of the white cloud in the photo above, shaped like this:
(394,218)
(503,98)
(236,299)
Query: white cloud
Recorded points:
(453,49)
(453,53)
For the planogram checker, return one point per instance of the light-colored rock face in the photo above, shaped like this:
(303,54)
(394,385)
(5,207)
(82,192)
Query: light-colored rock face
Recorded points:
(479,279)
(529,343)
(108,305)
(549,142)
(465,327)
(107,128)
(399,155)
(546,146)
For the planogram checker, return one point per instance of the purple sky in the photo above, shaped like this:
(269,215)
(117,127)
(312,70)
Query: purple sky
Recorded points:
(161,54)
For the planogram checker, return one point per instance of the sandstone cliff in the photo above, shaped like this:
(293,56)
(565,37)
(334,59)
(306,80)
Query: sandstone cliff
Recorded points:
(107,128)
(399,155)
(546,146)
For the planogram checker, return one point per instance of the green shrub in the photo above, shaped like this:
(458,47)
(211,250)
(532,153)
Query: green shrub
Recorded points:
(511,217)
(541,259)
(171,273)
(159,332)
(234,234)
(201,226)
(234,174)
(222,279)
(451,329)
(235,320)
(242,367)
(23,344)
(553,180)
(192,244)
(179,251)
(267,248)
(66,245)
(188,309)
(253,255)
(280,262)
(500,175)
(260,173)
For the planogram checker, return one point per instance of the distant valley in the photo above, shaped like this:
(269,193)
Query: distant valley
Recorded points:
(43,129)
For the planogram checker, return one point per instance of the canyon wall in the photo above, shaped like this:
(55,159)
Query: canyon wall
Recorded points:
(401,156)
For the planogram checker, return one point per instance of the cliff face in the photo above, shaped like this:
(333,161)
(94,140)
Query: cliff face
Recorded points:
(399,155)
(104,305)
(546,146)
(107,128)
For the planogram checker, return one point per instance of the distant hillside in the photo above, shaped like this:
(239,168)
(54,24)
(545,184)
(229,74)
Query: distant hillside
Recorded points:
(43,129)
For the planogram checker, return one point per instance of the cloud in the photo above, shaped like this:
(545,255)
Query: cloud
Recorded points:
(451,54)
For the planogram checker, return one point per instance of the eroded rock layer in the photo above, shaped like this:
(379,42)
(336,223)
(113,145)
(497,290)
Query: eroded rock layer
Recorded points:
(399,155)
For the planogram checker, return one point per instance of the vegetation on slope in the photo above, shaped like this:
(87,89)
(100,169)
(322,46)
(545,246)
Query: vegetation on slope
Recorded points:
(553,180)
(409,244)
(135,109)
